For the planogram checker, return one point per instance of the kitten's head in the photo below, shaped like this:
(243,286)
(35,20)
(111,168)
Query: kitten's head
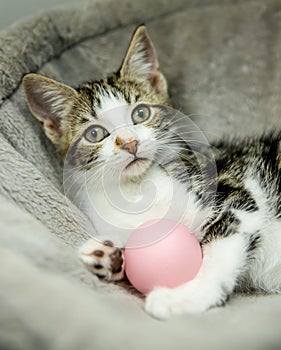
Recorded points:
(115,120)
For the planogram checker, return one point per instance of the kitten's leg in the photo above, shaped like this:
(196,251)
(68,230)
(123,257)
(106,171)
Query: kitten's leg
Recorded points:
(103,259)
(224,259)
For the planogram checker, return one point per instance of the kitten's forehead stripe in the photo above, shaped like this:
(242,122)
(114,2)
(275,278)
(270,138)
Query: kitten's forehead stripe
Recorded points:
(108,98)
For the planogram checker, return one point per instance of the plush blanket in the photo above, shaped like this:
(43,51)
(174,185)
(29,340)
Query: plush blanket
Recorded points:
(222,59)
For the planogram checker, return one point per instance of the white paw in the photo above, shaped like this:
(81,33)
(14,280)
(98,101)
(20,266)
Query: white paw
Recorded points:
(158,303)
(103,259)
(162,303)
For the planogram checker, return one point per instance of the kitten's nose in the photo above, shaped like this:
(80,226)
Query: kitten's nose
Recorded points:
(131,146)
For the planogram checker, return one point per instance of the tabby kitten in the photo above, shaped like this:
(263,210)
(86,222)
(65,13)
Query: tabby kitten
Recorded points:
(117,135)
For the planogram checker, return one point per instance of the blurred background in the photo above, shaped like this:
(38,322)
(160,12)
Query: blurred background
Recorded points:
(13,10)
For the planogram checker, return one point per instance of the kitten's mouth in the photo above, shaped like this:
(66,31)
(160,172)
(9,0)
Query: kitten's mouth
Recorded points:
(136,162)
(137,167)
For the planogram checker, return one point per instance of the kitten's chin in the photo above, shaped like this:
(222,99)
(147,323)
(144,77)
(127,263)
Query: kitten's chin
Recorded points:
(136,168)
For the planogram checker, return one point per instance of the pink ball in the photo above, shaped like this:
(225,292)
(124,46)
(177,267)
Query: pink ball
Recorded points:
(161,253)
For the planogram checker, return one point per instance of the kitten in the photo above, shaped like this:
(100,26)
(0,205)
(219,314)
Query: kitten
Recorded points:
(117,135)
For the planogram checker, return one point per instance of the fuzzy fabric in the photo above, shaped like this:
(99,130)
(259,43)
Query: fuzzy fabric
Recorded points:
(222,61)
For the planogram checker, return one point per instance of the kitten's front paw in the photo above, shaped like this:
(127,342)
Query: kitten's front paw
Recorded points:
(158,303)
(103,259)
(162,303)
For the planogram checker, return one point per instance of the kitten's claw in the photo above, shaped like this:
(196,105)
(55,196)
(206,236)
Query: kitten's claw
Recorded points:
(103,259)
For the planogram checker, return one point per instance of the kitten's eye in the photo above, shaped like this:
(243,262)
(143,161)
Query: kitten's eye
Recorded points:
(96,133)
(140,114)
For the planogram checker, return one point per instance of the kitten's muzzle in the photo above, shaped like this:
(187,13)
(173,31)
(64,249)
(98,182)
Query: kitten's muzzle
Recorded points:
(130,147)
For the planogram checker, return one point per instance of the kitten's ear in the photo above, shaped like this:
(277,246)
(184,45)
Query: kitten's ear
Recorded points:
(50,101)
(141,61)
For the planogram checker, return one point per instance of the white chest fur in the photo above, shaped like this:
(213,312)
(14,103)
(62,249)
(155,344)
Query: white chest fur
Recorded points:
(118,207)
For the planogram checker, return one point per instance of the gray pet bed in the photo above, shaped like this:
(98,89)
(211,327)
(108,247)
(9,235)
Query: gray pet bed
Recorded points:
(222,59)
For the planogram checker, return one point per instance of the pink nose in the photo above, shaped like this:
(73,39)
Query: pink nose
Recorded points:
(130,147)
